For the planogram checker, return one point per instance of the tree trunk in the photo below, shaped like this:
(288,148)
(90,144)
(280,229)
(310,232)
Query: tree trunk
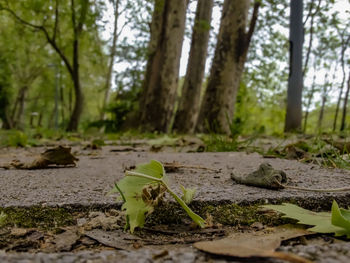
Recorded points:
(161,77)
(4,107)
(295,82)
(79,98)
(345,43)
(19,108)
(217,108)
(309,101)
(323,104)
(111,62)
(338,103)
(343,119)
(78,104)
(187,113)
(312,15)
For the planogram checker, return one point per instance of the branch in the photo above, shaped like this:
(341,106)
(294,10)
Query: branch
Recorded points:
(56,22)
(309,12)
(84,10)
(72,4)
(252,24)
(51,41)
(21,20)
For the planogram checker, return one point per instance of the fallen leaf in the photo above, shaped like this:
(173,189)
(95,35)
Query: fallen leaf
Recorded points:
(322,222)
(265,176)
(253,244)
(56,156)
(20,232)
(115,239)
(66,240)
(100,220)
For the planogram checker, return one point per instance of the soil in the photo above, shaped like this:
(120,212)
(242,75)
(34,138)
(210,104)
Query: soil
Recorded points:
(84,188)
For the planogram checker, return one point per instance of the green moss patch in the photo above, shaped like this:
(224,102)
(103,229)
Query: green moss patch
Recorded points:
(41,217)
(226,214)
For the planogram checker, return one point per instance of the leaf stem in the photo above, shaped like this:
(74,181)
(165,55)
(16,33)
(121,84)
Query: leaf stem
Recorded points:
(131,173)
(196,218)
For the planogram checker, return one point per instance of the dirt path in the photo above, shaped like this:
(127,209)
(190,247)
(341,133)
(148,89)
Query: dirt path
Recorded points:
(87,186)
(97,171)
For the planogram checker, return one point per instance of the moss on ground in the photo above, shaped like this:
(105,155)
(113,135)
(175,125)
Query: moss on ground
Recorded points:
(37,216)
(233,215)
(226,214)
(167,213)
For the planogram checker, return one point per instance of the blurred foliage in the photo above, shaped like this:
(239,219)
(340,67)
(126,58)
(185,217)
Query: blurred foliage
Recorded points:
(30,65)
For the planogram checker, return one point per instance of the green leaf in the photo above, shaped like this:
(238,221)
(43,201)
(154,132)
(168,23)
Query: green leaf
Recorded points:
(131,188)
(142,189)
(321,221)
(188,194)
(341,218)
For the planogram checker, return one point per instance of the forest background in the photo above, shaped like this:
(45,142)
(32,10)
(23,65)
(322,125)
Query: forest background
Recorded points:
(60,70)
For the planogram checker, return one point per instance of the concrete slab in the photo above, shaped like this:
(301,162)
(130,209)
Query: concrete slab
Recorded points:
(97,171)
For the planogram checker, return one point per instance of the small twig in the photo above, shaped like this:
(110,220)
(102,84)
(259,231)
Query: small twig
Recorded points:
(343,189)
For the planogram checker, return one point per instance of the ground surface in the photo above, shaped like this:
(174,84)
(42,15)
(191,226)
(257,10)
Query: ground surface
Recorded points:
(87,185)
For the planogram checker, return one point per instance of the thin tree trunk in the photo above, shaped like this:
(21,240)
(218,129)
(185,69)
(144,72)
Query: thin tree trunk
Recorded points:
(19,107)
(309,101)
(218,104)
(343,119)
(111,62)
(4,108)
(308,52)
(344,47)
(62,99)
(295,82)
(187,113)
(324,99)
(79,98)
(161,77)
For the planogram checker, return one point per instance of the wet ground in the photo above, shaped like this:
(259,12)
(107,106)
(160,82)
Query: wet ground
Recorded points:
(87,185)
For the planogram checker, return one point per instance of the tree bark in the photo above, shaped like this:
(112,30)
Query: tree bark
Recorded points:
(77,30)
(311,95)
(217,108)
(323,103)
(295,82)
(4,108)
(187,113)
(345,43)
(312,15)
(343,119)
(161,77)
(111,62)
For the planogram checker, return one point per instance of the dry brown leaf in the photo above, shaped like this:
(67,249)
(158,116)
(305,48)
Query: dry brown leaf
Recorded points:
(56,156)
(20,232)
(66,240)
(115,239)
(254,244)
